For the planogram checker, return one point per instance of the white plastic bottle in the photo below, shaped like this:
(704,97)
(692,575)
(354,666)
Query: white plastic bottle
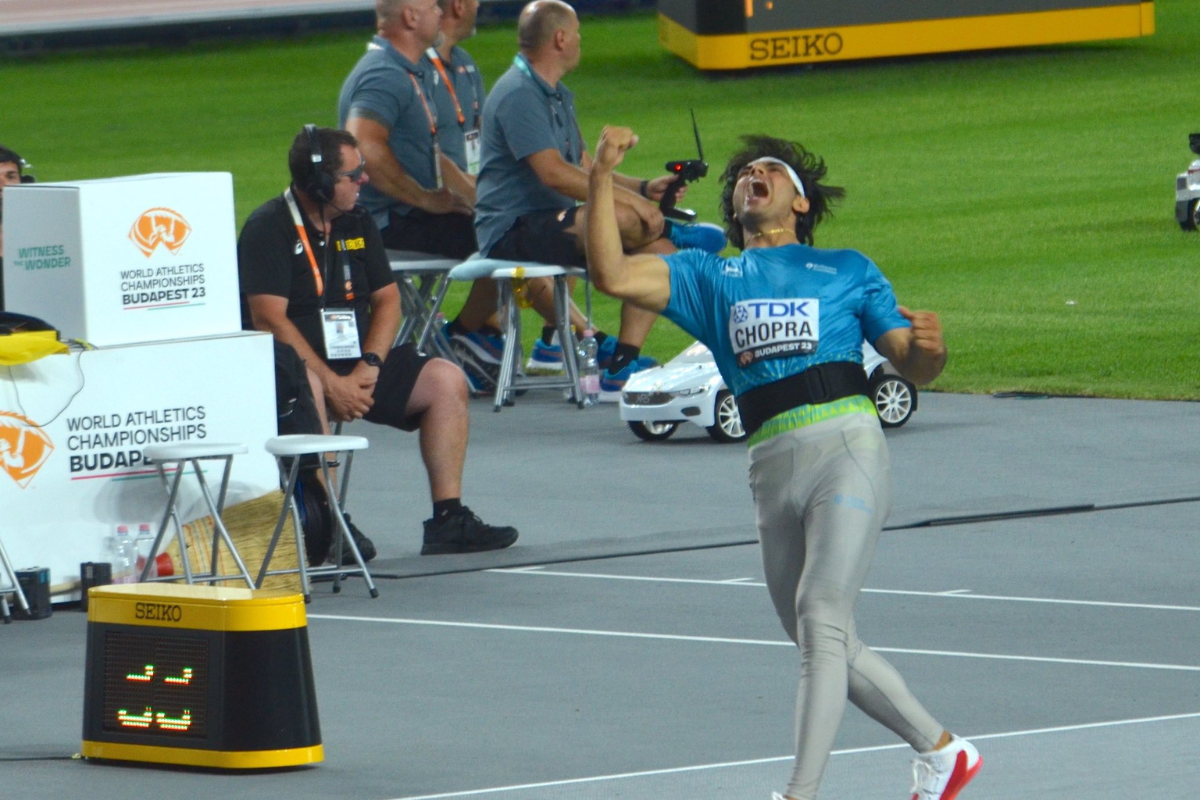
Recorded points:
(589,368)
(143,543)
(124,556)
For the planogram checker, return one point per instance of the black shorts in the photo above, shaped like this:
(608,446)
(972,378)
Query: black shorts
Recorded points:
(294,402)
(542,237)
(450,235)
(397,377)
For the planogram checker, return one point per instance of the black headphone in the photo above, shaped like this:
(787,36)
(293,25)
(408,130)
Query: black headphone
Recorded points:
(318,183)
(23,166)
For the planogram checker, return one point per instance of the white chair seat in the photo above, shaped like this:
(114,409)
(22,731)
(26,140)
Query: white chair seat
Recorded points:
(177,451)
(303,444)
(416,262)
(498,268)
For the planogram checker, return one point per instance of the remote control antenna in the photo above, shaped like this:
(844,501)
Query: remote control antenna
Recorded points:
(685,172)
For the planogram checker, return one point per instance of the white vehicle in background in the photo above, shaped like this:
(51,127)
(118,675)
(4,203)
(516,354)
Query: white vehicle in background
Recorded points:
(688,388)
(1187,191)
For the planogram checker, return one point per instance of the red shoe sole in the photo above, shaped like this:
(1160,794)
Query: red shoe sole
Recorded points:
(961,776)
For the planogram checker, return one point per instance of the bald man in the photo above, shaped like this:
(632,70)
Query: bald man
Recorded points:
(535,173)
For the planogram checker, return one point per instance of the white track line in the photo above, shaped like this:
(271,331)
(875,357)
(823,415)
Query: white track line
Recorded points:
(776,759)
(953,593)
(755,642)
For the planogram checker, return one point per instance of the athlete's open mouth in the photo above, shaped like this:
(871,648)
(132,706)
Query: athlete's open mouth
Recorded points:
(758,188)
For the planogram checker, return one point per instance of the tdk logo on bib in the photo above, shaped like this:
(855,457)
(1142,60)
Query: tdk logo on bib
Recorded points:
(762,329)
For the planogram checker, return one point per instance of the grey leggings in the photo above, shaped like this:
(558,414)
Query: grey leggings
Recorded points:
(822,493)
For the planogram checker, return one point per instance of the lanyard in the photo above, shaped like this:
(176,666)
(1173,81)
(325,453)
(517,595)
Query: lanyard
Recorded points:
(308,251)
(437,62)
(437,149)
(302,232)
(428,112)
(520,63)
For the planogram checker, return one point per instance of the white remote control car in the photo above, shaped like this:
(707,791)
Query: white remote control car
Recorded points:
(688,388)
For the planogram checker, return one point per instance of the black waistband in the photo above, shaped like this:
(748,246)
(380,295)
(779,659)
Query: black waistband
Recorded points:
(823,383)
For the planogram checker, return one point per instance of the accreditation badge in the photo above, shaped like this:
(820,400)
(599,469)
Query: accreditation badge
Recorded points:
(341,333)
(474,151)
(437,163)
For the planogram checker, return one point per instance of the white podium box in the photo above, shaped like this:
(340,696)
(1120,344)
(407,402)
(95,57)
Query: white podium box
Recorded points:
(124,260)
(72,430)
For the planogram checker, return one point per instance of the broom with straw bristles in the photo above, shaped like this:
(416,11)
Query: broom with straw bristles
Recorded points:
(250,524)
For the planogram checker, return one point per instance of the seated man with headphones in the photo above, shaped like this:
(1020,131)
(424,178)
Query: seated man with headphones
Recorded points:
(314,274)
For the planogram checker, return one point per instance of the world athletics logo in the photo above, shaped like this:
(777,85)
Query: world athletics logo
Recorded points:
(159,226)
(24,447)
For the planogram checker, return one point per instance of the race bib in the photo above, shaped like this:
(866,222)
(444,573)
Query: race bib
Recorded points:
(341,333)
(763,329)
(474,151)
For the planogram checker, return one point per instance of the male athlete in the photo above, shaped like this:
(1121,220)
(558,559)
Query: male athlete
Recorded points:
(786,322)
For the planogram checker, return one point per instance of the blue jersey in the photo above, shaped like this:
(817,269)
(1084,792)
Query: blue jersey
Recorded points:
(773,312)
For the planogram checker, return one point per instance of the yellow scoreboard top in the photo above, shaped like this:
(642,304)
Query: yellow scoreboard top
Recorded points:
(740,34)
(207,608)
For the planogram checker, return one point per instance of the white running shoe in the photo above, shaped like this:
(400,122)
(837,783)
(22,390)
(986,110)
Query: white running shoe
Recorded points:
(941,774)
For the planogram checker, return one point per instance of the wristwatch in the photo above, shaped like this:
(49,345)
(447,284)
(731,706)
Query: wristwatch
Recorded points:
(372,359)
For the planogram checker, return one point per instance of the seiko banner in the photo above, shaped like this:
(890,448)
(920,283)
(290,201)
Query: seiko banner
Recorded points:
(737,34)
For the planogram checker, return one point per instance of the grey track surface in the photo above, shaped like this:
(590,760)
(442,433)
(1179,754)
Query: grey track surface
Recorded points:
(625,647)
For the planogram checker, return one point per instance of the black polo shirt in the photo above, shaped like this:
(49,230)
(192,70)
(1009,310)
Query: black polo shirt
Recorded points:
(271,260)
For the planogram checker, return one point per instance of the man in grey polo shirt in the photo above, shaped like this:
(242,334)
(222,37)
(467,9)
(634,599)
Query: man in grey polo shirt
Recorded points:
(457,86)
(420,198)
(458,95)
(535,171)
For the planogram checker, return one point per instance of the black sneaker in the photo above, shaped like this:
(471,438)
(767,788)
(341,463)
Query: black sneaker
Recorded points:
(365,545)
(482,374)
(464,532)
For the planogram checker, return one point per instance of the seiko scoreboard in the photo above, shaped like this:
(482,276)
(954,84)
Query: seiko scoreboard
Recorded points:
(737,34)
(199,676)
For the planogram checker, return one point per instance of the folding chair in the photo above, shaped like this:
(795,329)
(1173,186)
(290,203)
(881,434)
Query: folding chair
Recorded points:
(507,274)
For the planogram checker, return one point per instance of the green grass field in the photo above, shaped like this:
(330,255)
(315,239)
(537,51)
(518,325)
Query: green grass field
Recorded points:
(1025,195)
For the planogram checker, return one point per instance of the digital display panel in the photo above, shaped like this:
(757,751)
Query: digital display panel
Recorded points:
(155,684)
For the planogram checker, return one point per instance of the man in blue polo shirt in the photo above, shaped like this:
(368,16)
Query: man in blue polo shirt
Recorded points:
(420,196)
(534,172)
(786,322)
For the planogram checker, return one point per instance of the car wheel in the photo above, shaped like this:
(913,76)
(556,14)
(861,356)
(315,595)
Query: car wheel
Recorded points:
(895,399)
(1194,207)
(728,427)
(653,431)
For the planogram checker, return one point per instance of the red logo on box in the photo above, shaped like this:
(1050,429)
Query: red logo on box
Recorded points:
(159,226)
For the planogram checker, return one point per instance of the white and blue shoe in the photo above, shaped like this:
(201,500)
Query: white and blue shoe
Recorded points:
(700,235)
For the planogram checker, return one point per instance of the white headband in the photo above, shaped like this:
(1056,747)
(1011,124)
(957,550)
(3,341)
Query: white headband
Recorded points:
(791,172)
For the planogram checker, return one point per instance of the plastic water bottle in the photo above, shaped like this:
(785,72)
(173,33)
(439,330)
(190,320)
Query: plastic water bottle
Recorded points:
(124,556)
(589,368)
(143,543)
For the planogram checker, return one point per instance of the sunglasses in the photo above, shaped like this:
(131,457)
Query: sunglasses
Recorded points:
(355,175)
